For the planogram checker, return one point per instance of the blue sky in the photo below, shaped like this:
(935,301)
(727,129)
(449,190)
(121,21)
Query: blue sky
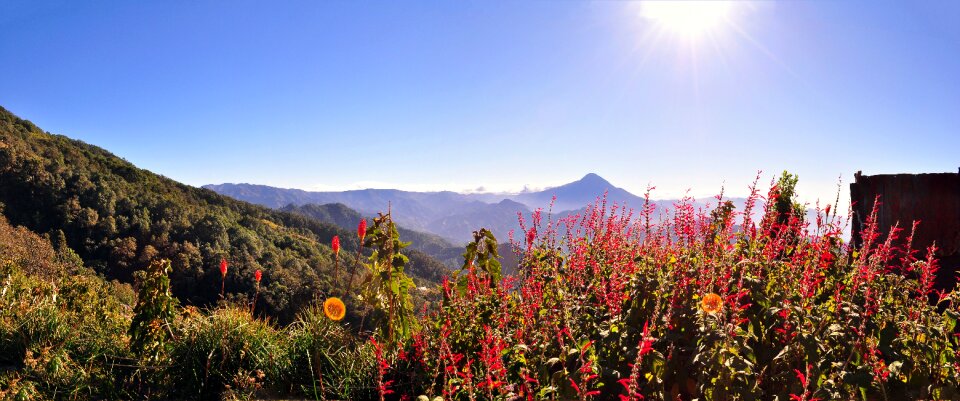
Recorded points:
(492,94)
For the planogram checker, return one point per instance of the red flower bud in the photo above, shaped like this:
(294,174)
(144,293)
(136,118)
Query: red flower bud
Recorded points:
(223,267)
(362,229)
(335,244)
(257,275)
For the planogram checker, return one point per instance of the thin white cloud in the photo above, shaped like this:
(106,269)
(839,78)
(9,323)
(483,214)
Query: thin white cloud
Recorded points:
(454,187)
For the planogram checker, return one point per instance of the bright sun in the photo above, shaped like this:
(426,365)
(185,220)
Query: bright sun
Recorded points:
(688,18)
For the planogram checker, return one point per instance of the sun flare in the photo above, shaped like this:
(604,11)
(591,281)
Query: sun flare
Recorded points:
(688,18)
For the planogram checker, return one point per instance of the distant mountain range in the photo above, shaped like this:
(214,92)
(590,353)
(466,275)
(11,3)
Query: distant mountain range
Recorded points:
(450,215)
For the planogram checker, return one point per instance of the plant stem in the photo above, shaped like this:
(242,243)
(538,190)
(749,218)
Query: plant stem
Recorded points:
(256,294)
(354,270)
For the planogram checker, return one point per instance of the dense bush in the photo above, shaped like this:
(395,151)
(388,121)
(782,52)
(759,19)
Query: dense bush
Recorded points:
(227,351)
(60,337)
(607,305)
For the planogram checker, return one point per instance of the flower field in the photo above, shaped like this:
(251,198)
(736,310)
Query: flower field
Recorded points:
(707,303)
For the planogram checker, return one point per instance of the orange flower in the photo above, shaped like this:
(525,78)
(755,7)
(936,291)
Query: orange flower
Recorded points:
(334,308)
(712,303)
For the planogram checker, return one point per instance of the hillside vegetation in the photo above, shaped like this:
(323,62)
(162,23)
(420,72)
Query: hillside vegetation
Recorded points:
(118,218)
(347,218)
(65,333)
(707,303)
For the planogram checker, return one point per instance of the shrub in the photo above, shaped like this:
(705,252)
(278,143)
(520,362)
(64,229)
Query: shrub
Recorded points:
(63,341)
(155,310)
(227,351)
(387,288)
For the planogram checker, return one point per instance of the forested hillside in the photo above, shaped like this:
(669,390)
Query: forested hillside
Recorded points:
(345,217)
(118,218)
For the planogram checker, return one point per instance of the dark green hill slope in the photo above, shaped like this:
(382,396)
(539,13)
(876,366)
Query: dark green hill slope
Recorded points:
(118,217)
(347,218)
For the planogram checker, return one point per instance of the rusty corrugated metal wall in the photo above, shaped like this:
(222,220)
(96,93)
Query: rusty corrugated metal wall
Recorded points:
(932,199)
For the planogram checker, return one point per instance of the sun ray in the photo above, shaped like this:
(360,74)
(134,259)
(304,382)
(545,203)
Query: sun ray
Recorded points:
(689,19)
(763,49)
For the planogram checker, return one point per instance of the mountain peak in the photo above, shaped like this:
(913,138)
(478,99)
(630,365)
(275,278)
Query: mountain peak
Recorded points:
(590,183)
(593,178)
(577,194)
(584,190)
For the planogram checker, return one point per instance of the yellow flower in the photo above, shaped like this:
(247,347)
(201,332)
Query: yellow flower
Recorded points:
(334,308)
(712,303)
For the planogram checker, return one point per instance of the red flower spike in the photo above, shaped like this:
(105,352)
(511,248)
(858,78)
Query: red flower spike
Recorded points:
(335,244)
(257,275)
(802,377)
(646,343)
(223,267)
(362,229)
